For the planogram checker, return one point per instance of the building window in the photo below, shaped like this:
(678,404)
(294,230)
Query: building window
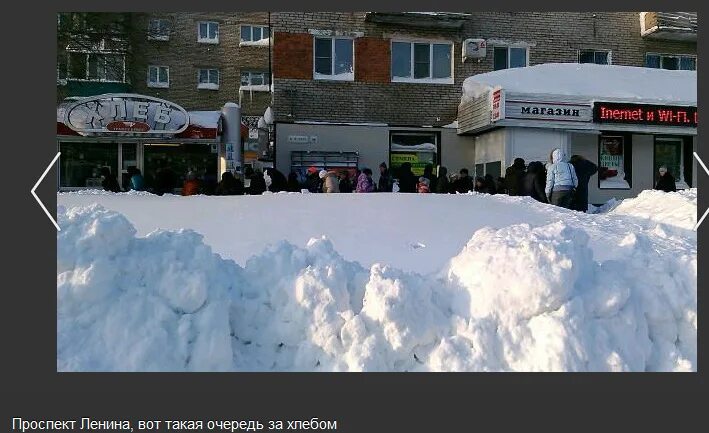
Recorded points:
(254,35)
(158,76)
(208,32)
(334,59)
(417,148)
(103,67)
(422,62)
(159,30)
(671,61)
(510,57)
(614,162)
(208,79)
(251,80)
(599,57)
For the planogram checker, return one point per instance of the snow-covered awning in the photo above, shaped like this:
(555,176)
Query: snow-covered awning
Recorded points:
(580,96)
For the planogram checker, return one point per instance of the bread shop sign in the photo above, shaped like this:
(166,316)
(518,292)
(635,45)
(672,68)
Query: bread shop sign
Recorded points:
(126,114)
(642,114)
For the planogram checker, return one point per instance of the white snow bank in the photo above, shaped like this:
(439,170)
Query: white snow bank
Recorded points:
(415,147)
(600,82)
(676,209)
(517,298)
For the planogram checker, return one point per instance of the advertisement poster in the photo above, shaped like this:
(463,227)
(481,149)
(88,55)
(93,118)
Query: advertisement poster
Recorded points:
(611,167)
(418,161)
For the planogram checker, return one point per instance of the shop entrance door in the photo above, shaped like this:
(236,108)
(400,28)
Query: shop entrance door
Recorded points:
(668,152)
(128,156)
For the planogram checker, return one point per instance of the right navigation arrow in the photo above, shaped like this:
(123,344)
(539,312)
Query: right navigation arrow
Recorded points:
(701,220)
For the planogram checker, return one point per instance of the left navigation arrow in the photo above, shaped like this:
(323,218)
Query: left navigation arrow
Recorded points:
(34,194)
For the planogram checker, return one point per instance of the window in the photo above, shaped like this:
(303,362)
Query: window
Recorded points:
(614,162)
(599,57)
(208,79)
(208,32)
(254,80)
(159,30)
(416,148)
(671,61)
(510,57)
(158,76)
(334,59)
(254,35)
(105,67)
(422,62)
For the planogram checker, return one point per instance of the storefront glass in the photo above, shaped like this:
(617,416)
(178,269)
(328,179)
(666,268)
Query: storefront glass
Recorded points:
(418,149)
(180,159)
(613,167)
(668,152)
(80,164)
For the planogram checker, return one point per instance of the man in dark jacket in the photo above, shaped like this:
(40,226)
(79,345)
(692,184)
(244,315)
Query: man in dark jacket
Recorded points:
(584,170)
(229,185)
(407,180)
(442,184)
(428,174)
(385,181)
(257,184)
(666,182)
(535,181)
(278,180)
(464,183)
(109,181)
(514,177)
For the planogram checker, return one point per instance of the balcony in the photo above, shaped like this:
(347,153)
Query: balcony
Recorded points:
(670,26)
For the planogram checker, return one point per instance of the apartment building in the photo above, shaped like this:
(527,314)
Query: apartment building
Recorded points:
(361,88)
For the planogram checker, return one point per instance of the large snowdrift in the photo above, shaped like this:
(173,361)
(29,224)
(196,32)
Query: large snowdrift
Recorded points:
(609,292)
(602,82)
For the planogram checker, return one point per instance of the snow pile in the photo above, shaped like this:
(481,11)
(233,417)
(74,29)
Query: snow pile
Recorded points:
(606,82)
(516,298)
(676,209)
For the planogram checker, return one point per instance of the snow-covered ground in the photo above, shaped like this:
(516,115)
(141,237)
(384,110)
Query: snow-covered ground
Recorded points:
(375,282)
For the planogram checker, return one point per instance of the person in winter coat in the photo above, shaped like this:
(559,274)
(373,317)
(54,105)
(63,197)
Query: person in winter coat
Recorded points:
(407,179)
(584,170)
(109,181)
(424,185)
(278,180)
(135,179)
(165,179)
(293,184)
(561,180)
(345,182)
(442,184)
(514,177)
(229,185)
(490,184)
(535,181)
(666,182)
(330,183)
(191,185)
(464,183)
(365,182)
(257,184)
(480,185)
(428,174)
(385,183)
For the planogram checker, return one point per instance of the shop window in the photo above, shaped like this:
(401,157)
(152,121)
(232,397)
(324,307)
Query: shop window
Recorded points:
(254,35)
(158,76)
(208,79)
(251,80)
(614,162)
(179,160)
(671,152)
(159,30)
(494,169)
(422,62)
(417,148)
(510,57)
(208,32)
(599,57)
(338,162)
(334,59)
(81,163)
(671,61)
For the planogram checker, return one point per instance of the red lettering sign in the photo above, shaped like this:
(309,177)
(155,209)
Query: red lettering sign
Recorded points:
(640,114)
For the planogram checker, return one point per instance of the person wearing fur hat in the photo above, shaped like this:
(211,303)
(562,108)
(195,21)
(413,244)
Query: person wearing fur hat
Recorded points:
(330,183)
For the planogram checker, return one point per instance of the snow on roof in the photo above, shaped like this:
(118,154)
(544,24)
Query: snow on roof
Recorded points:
(205,119)
(595,82)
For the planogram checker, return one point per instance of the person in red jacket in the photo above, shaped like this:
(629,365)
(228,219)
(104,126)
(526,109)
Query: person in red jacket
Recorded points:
(191,185)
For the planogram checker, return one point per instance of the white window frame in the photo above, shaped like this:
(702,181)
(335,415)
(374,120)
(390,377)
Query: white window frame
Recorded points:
(158,37)
(86,54)
(265,87)
(429,79)
(207,39)
(508,47)
(609,52)
(159,84)
(333,76)
(208,85)
(264,41)
(677,56)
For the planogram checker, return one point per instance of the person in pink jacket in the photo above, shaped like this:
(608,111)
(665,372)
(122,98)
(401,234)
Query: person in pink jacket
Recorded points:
(365,183)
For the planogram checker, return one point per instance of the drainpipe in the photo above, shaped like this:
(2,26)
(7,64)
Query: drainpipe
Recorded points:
(271,128)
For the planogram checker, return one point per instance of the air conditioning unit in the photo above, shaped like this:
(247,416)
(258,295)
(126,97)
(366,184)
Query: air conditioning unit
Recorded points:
(474,49)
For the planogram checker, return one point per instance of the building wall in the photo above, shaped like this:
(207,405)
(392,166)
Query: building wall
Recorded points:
(534,144)
(490,147)
(457,151)
(185,56)
(372,97)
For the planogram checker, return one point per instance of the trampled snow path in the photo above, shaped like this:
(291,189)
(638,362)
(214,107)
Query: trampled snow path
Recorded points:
(565,291)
